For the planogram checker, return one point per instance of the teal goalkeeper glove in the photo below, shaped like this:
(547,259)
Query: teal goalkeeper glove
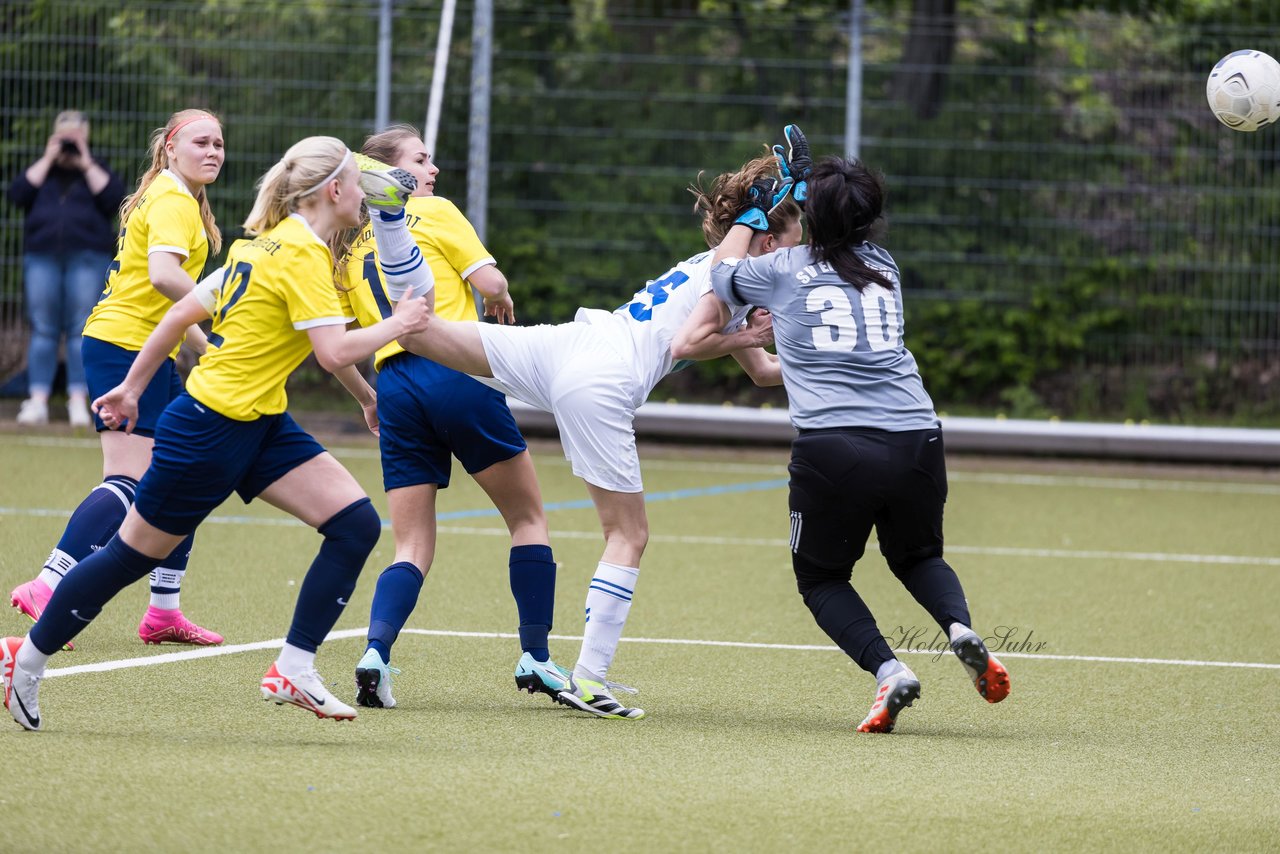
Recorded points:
(797,164)
(763,196)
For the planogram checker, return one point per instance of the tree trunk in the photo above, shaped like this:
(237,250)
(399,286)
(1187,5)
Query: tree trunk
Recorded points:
(926,56)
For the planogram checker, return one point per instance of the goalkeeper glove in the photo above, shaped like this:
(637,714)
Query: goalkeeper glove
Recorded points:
(797,164)
(763,196)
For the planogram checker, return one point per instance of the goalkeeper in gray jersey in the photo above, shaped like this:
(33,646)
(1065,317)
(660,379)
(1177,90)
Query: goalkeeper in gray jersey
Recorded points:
(869,450)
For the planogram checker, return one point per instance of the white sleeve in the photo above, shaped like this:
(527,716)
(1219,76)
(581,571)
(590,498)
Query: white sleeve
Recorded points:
(206,290)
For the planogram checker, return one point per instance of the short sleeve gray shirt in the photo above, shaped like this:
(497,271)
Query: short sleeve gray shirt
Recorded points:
(844,362)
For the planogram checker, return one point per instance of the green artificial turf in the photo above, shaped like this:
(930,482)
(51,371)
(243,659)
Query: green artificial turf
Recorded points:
(749,742)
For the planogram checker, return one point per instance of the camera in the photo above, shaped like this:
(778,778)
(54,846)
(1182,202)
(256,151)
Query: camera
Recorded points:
(69,147)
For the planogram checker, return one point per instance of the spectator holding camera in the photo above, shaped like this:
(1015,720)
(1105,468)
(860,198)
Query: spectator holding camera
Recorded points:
(70,199)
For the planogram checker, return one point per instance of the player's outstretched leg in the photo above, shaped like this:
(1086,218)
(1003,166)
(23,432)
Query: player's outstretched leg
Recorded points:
(989,675)
(897,687)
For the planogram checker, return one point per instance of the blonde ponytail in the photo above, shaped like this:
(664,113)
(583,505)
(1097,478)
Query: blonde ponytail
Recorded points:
(307,166)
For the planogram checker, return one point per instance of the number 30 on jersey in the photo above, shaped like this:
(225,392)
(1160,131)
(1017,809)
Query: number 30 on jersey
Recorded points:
(840,330)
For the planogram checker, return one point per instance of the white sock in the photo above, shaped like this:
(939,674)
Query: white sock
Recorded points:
(58,565)
(959,630)
(31,659)
(890,668)
(608,603)
(406,271)
(171,580)
(293,660)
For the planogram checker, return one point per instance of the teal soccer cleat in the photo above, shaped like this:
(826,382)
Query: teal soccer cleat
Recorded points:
(545,676)
(373,682)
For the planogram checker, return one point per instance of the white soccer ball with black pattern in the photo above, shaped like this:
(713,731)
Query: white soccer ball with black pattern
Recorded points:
(1244,90)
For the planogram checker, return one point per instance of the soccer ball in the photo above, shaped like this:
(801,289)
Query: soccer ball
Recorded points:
(1244,90)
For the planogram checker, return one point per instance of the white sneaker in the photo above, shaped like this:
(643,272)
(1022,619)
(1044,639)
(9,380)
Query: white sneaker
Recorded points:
(21,689)
(385,187)
(78,413)
(33,412)
(305,690)
(373,682)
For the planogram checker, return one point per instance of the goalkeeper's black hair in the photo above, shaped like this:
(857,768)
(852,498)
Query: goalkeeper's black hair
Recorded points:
(844,205)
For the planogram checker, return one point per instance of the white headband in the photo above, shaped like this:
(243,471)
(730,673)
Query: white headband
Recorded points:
(346,158)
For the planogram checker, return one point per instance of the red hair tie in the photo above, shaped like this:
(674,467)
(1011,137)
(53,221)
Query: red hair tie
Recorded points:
(180,125)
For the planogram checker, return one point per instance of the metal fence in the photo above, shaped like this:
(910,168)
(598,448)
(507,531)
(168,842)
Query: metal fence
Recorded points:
(1062,168)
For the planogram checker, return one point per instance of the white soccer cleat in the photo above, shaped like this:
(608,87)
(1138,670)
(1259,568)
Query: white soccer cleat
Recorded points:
(385,187)
(21,689)
(594,697)
(892,696)
(305,690)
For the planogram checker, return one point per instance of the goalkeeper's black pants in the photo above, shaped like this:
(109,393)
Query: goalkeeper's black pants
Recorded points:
(844,482)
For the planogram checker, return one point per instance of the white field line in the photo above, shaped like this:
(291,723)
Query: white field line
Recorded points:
(214,651)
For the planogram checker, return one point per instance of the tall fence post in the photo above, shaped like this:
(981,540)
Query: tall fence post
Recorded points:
(853,89)
(478,127)
(382,109)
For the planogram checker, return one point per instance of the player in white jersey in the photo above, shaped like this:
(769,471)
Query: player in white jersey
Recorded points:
(593,374)
(869,451)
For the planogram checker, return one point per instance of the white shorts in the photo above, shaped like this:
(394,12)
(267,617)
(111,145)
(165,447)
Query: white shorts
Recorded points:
(582,376)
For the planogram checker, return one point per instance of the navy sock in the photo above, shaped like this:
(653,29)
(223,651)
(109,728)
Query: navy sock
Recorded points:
(94,522)
(533,584)
(394,599)
(81,595)
(349,536)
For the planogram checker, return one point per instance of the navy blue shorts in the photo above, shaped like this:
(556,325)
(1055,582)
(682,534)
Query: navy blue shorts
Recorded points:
(201,457)
(105,367)
(427,412)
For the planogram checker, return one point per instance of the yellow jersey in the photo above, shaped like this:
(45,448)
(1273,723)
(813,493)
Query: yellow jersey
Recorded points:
(273,289)
(448,243)
(167,219)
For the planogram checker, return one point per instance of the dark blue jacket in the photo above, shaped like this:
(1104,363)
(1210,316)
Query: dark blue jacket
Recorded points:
(63,216)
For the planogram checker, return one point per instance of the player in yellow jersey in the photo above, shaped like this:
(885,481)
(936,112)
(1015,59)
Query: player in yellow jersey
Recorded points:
(167,230)
(428,413)
(272,305)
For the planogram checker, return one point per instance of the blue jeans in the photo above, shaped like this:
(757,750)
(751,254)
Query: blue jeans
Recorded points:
(61,291)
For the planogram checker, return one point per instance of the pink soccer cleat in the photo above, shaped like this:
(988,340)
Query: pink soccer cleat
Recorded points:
(31,599)
(160,625)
